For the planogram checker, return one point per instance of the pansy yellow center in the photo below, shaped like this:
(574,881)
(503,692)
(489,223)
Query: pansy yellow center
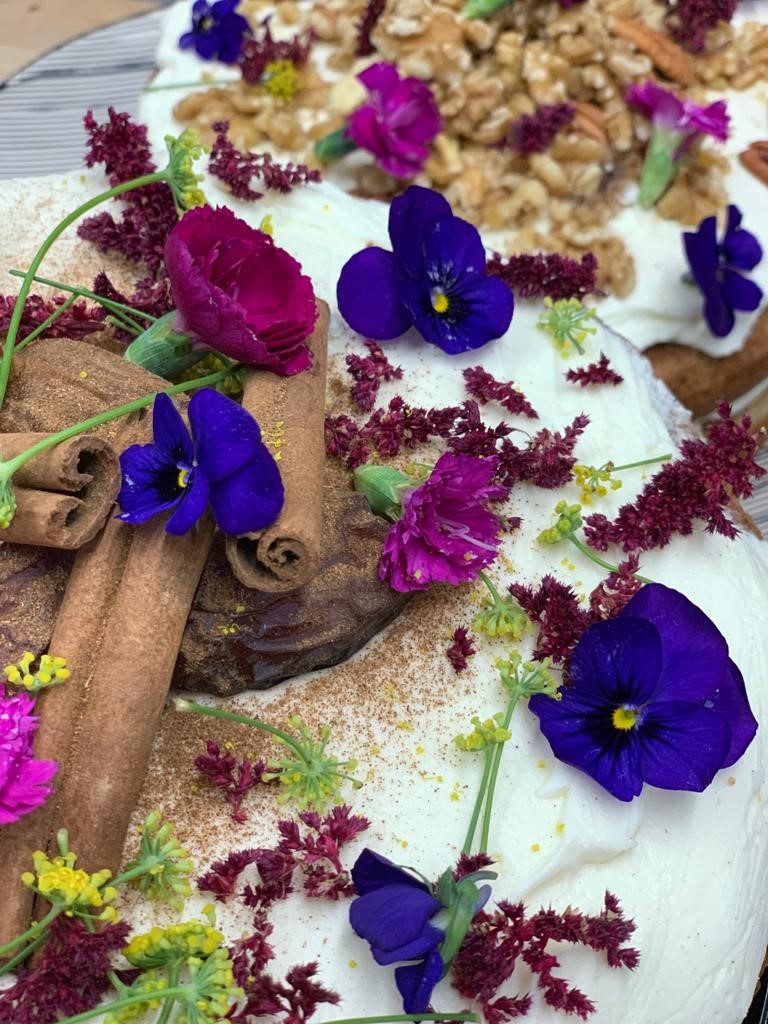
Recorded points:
(625,718)
(440,301)
(206,23)
(183,478)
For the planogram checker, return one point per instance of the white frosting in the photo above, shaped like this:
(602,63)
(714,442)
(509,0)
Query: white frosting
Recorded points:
(689,868)
(661,307)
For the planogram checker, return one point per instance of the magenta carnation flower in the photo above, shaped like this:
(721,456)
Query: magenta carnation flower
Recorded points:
(446,533)
(398,123)
(24,782)
(239,293)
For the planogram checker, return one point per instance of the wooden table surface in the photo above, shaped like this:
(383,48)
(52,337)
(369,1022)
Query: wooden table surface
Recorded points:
(29,28)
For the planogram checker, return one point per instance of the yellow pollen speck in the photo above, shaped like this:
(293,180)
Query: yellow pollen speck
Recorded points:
(560,827)
(535,848)
(83,375)
(228,745)
(404,726)
(418,574)
(731,780)
(375,749)
(390,689)
(469,556)
(440,302)
(194,788)
(541,763)
(567,564)
(624,718)
(352,963)
(419,749)
(239,609)
(456,792)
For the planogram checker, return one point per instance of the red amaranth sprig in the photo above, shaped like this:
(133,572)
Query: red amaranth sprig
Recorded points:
(78,321)
(546,275)
(691,21)
(234,779)
(535,133)
(613,593)
(485,388)
(292,1001)
(600,372)
(373,11)
(555,608)
(369,373)
(698,486)
(461,648)
(547,460)
(496,942)
(257,53)
(149,212)
(237,169)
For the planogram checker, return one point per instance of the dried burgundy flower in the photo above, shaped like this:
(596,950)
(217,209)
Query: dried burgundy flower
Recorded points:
(554,606)
(373,11)
(470,436)
(223,875)
(497,941)
(251,954)
(699,485)
(692,20)
(149,212)
(317,852)
(600,372)
(79,321)
(534,133)
(468,864)
(485,388)
(237,169)
(540,275)
(614,592)
(290,1002)
(233,779)
(70,976)
(462,647)
(547,460)
(343,441)
(257,53)
(369,373)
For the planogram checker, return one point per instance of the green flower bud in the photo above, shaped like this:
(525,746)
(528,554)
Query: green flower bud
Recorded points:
(383,488)
(163,351)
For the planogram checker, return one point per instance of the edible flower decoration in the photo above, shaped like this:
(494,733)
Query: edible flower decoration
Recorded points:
(403,918)
(445,532)
(677,124)
(716,265)
(434,280)
(655,698)
(397,123)
(25,783)
(217,31)
(224,463)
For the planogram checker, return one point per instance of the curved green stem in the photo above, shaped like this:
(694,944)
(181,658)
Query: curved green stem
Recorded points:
(61,227)
(600,561)
(86,293)
(231,716)
(137,997)
(173,980)
(642,462)
(46,323)
(33,931)
(494,775)
(497,599)
(479,799)
(21,956)
(213,84)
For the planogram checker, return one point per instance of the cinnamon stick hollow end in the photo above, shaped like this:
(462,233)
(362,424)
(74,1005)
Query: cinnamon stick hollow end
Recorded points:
(291,413)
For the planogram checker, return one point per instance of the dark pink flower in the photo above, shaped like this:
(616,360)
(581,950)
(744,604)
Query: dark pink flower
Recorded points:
(682,118)
(398,122)
(24,781)
(239,293)
(446,533)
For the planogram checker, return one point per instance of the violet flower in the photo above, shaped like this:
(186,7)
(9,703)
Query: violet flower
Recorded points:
(238,293)
(396,124)
(217,31)
(446,534)
(434,280)
(24,781)
(715,268)
(224,463)
(654,699)
(676,126)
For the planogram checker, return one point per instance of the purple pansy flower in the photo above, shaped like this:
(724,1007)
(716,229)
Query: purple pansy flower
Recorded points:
(398,122)
(217,31)
(224,463)
(676,125)
(24,781)
(715,268)
(446,533)
(654,699)
(393,913)
(434,280)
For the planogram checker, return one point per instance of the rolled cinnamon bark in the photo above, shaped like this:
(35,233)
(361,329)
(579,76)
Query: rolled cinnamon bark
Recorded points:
(63,497)
(291,413)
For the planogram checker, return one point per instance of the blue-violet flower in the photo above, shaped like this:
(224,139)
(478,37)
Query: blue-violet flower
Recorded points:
(217,31)
(224,463)
(715,268)
(654,699)
(434,280)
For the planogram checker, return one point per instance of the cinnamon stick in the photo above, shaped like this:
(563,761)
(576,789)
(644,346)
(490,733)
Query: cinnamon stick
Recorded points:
(291,412)
(63,496)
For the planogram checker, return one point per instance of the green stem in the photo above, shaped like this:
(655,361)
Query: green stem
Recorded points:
(600,561)
(231,716)
(497,599)
(479,799)
(46,323)
(494,775)
(173,980)
(7,469)
(131,1000)
(213,84)
(61,227)
(22,955)
(123,323)
(86,293)
(334,145)
(642,462)
(33,931)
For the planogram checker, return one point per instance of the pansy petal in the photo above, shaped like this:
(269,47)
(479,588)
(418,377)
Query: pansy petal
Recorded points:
(480,311)
(429,939)
(372,871)
(617,661)
(718,314)
(169,431)
(368,295)
(226,436)
(701,247)
(732,702)
(416,982)
(683,745)
(393,915)
(194,501)
(740,292)
(149,483)
(251,498)
(741,250)
(409,215)
(694,651)
(452,247)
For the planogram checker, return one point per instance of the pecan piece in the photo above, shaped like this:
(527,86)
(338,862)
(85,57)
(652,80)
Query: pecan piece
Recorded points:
(755,159)
(667,56)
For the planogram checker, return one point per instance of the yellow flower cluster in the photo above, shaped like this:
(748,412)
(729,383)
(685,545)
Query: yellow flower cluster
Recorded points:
(484,733)
(568,521)
(594,481)
(564,321)
(175,943)
(281,79)
(64,884)
(50,671)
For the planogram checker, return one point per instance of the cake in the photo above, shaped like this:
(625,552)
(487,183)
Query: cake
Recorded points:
(558,839)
